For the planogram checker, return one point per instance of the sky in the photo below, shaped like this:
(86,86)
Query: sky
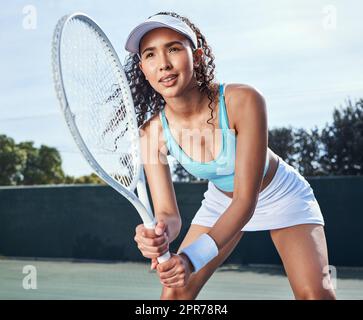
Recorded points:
(304,56)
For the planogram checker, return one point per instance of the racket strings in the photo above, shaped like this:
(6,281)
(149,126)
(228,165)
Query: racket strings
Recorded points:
(95,94)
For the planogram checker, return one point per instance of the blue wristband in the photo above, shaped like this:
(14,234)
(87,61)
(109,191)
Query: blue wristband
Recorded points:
(201,251)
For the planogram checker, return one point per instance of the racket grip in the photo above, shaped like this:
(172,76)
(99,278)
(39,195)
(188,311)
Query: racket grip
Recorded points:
(165,257)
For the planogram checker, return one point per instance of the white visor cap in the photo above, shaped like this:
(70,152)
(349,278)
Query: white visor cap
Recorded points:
(158,21)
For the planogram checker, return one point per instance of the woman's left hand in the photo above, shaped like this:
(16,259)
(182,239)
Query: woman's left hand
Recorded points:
(175,272)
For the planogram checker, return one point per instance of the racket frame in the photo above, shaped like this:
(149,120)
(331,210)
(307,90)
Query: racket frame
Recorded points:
(141,203)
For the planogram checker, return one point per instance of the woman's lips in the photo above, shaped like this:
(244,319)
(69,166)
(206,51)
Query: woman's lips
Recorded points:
(169,82)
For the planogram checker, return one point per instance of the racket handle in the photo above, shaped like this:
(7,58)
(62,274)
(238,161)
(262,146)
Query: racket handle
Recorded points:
(166,256)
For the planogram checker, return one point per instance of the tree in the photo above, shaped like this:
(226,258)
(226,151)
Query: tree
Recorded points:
(90,179)
(43,165)
(308,148)
(24,164)
(12,161)
(281,141)
(343,141)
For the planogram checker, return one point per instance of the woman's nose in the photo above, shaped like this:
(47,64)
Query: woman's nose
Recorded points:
(165,66)
(164,63)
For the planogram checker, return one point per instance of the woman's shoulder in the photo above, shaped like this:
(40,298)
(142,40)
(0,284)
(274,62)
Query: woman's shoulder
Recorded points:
(238,91)
(236,97)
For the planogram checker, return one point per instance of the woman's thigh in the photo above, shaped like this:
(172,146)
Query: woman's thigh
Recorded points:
(304,254)
(198,279)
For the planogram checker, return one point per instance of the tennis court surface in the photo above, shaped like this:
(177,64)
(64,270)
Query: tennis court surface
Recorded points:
(60,279)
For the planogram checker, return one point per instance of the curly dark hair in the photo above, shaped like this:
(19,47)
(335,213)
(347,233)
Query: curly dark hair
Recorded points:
(147,100)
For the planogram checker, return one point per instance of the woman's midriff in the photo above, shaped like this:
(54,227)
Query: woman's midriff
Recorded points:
(273,164)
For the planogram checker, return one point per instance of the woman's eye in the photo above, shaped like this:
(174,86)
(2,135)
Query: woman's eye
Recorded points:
(151,54)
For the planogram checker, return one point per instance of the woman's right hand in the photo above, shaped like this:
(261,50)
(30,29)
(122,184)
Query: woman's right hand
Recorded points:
(152,243)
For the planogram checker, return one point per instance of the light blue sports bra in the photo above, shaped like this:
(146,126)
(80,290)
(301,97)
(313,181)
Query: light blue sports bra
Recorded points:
(219,171)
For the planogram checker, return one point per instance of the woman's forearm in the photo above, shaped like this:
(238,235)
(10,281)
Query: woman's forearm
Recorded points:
(231,222)
(173,223)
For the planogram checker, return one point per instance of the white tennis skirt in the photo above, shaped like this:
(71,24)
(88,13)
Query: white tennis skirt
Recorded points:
(288,200)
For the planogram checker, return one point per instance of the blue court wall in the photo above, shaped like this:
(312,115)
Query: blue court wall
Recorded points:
(95,222)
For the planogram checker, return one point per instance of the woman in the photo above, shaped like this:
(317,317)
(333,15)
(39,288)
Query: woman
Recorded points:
(250,188)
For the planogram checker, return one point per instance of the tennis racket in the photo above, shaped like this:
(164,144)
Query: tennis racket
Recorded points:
(97,104)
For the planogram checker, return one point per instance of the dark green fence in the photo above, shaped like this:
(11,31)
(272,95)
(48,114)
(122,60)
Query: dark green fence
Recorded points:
(95,222)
